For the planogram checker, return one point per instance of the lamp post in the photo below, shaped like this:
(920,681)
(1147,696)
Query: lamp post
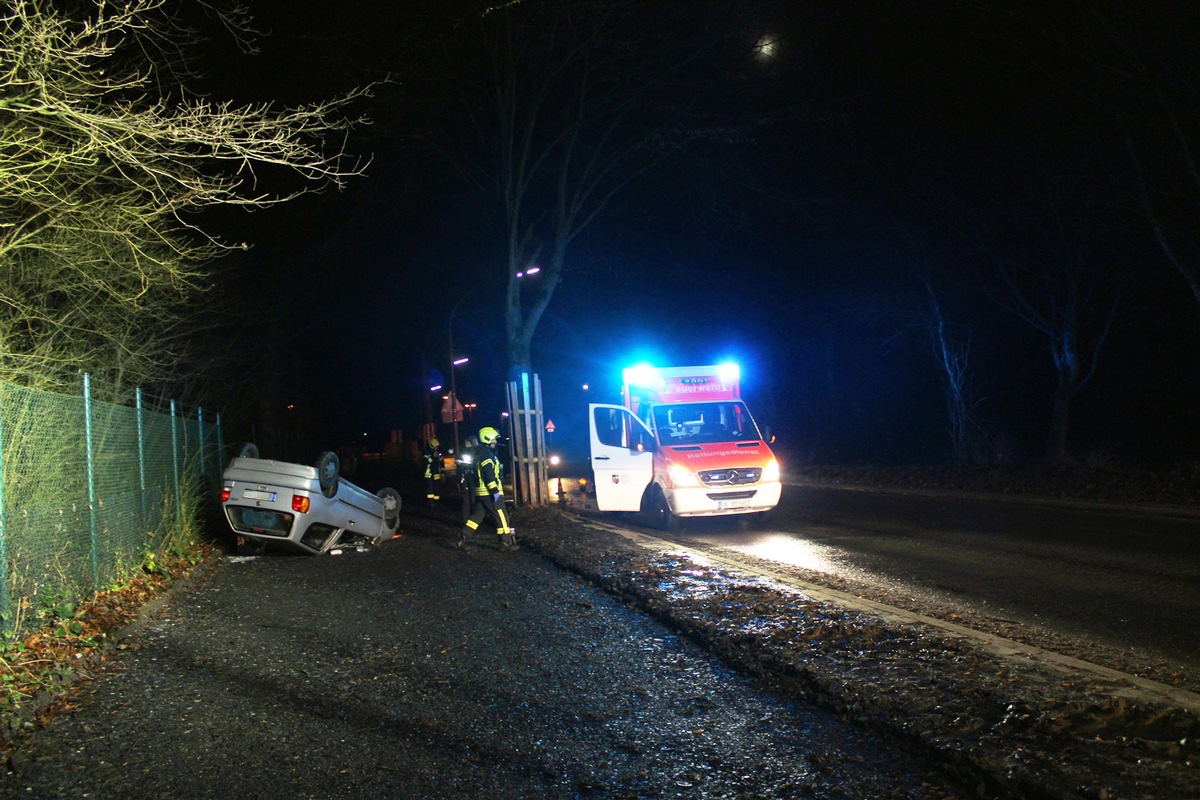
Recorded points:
(457,362)
(533,270)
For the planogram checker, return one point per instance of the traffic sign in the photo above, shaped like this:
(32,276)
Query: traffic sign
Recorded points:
(549,426)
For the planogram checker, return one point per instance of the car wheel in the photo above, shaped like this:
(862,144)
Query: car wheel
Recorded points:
(248,450)
(391,508)
(328,469)
(661,517)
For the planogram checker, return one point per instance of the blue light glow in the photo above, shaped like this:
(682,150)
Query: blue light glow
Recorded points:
(643,376)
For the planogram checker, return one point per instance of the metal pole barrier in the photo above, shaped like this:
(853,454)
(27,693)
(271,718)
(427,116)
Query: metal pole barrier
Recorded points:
(175,464)
(7,622)
(220,447)
(200,444)
(527,423)
(91,478)
(141,429)
(514,419)
(510,391)
(540,442)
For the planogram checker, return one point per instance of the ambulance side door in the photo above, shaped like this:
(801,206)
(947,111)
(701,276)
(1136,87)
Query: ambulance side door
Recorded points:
(622,456)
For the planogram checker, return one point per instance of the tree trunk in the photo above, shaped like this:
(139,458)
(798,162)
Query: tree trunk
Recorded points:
(1060,420)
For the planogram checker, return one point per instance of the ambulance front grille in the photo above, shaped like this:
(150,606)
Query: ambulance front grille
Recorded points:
(732,495)
(730,477)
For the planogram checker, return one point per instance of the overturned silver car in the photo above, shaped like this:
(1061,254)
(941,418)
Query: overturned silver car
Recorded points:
(310,509)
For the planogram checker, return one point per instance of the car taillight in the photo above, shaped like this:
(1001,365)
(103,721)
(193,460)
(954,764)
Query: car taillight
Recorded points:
(300,503)
(225,495)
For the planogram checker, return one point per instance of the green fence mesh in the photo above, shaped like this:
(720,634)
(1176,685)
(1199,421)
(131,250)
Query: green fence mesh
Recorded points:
(89,488)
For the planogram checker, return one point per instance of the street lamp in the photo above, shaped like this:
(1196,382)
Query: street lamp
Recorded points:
(450,340)
(454,392)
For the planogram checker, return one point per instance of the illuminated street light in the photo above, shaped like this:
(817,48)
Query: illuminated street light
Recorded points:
(457,362)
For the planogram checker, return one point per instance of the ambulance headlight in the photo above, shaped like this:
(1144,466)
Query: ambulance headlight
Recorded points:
(770,471)
(681,476)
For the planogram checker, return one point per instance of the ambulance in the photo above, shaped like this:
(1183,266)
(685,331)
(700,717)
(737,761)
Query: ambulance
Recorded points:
(682,445)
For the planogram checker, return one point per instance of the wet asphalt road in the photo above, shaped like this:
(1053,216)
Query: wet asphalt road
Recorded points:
(1127,580)
(419,671)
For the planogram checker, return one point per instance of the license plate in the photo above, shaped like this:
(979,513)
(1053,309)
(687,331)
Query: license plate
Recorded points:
(724,504)
(254,494)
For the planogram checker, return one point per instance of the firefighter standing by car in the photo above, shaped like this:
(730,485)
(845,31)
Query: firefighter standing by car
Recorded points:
(433,471)
(489,493)
(464,466)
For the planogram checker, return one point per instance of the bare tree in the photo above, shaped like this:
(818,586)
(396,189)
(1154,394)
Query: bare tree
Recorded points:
(923,316)
(1135,63)
(1157,118)
(952,347)
(1057,281)
(105,157)
(573,102)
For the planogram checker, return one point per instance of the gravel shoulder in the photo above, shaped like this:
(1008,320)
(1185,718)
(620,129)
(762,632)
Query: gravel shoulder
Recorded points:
(582,666)
(417,670)
(1004,727)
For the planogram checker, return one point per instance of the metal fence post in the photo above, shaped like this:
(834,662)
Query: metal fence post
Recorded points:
(220,447)
(91,478)
(7,623)
(200,444)
(175,464)
(141,429)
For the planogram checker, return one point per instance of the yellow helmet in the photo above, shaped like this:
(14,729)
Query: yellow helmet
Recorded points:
(488,435)
(434,442)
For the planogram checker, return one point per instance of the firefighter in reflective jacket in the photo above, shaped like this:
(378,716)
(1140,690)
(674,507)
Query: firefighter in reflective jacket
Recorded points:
(489,493)
(433,471)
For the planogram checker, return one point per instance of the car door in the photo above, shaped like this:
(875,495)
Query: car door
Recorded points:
(622,456)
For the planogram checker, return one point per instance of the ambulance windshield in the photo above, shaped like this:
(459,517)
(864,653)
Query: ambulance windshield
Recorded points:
(704,423)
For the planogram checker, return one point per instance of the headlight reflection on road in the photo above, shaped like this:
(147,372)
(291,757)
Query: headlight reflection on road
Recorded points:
(791,550)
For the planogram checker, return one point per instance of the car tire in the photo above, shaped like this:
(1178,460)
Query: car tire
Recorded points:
(329,467)
(248,450)
(391,508)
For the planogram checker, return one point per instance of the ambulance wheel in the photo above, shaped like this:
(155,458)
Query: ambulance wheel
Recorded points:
(661,517)
(391,508)
(328,469)
(248,450)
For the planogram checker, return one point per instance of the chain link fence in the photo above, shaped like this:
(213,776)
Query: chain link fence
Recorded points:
(88,489)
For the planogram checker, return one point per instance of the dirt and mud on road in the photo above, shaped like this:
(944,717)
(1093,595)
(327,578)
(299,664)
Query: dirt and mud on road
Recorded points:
(1006,727)
(418,670)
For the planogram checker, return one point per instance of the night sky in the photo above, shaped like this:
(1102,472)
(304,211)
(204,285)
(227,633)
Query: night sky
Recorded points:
(897,140)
